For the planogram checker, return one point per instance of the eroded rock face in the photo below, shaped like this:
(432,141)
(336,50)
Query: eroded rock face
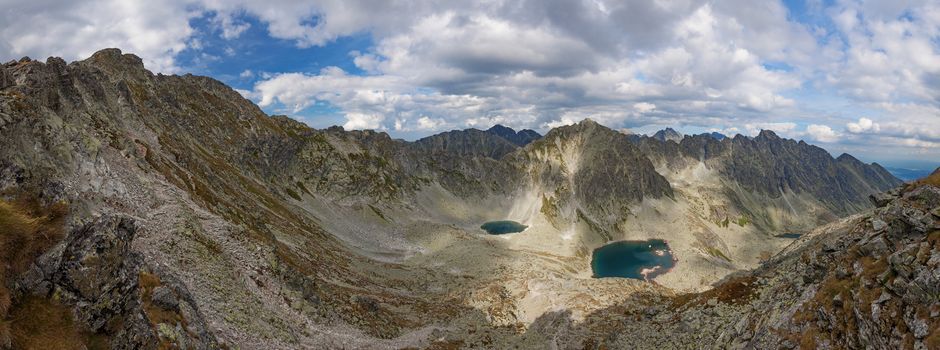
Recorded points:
(111,288)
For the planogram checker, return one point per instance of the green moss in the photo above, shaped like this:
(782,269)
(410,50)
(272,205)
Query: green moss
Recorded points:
(300,185)
(378,212)
(717,253)
(549,206)
(723,223)
(292,194)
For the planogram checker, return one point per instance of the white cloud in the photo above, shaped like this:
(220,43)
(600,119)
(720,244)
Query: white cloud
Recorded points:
(426,123)
(439,64)
(363,121)
(822,133)
(518,65)
(862,126)
(890,52)
(782,128)
(156,31)
(231,27)
(644,107)
(246,74)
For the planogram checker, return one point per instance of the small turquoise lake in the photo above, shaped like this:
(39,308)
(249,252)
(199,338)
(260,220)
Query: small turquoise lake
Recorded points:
(503,227)
(642,260)
(790,235)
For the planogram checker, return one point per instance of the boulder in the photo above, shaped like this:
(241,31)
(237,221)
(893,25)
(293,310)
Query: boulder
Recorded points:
(164,298)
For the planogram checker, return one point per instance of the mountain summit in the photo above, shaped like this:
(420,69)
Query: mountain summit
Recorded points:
(668,134)
(520,138)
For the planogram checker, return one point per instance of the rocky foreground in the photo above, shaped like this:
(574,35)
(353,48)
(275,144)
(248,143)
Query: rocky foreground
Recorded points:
(152,211)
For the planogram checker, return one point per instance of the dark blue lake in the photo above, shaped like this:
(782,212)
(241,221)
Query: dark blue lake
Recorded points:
(790,235)
(503,227)
(643,260)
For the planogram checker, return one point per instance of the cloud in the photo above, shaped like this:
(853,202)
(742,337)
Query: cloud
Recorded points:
(156,31)
(363,121)
(890,52)
(783,128)
(863,125)
(822,133)
(644,107)
(426,123)
(516,65)
(435,64)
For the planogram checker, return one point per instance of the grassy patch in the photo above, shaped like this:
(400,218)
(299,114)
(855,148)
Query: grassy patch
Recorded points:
(932,179)
(27,229)
(293,194)
(159,316)
(41,323)
(155,314)
(550,207)
(737,291)
(378,212)
(717,253)
(724,223)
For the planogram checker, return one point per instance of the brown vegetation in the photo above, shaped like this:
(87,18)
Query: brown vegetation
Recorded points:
(738,290)
(27,229)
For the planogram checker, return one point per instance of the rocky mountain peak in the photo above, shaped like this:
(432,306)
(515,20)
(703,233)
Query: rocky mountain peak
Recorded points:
(845,157)
(767,134)
(587,121)
(114,61)
(715,135)
(668,134)
(520,138)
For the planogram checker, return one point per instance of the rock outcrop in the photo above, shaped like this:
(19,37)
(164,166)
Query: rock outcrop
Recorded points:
(115,293)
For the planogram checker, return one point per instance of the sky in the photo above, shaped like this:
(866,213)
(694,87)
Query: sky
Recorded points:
(861,77)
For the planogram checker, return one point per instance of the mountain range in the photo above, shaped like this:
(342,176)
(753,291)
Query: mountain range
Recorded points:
(165,211)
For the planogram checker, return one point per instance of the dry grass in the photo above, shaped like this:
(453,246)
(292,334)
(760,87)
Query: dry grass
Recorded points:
(40,323)
(27,229)
(737,291)
(932,179)
(155,314)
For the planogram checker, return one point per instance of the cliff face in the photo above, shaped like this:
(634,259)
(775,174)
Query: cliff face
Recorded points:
(794,177)
(195,220)
(590,172)
(470,142)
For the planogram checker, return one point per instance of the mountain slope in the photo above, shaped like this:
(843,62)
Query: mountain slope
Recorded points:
(805,186)
(222,226)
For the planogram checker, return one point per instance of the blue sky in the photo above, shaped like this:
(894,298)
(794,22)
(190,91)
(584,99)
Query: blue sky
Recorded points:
(861,77)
